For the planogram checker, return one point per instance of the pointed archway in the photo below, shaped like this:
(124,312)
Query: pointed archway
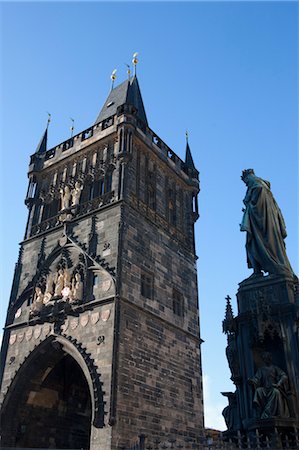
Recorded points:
(50,404)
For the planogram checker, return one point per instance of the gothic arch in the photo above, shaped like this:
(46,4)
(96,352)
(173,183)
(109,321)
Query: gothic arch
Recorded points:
(35,368)
(71,246)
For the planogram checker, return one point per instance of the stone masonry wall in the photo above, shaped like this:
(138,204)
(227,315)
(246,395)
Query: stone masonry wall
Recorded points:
(160,391)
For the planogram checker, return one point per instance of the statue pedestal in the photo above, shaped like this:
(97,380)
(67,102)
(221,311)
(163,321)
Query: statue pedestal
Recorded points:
(263,346)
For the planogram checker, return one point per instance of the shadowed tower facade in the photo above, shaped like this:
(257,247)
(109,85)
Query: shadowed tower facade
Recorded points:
(102,341)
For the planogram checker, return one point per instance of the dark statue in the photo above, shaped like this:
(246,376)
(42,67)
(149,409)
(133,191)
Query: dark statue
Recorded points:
(232,356)
(270,390)
(231,412)
(265,228)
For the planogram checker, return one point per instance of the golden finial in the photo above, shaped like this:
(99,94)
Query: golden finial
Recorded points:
(72,127)
(49,119)
(113,78)
(128,71)
(135,61)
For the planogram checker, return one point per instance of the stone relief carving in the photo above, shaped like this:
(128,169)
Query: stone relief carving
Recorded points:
(61,282)
(64,282)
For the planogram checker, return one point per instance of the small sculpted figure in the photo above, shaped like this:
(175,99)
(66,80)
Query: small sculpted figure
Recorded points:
(49,289)
(270,390)
(37,301)
(59,282)
(65,197)
(76,193)
(77,287)
(67,278)
(265,227)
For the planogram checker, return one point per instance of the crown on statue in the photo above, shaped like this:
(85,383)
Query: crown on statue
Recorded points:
(247,172)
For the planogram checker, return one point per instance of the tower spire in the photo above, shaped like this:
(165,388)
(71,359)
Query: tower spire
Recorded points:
(42,146)
(188,159)
(227,324)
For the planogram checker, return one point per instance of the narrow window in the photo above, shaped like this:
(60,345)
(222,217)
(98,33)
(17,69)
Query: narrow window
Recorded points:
(147,285)
(171,207)
(46,212)
(101,187)
(130,143)
(151,197)
(108,182)
(178,303)
(54,207)
(85,193)
(120,141)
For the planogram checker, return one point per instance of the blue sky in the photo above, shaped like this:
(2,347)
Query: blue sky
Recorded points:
(226,71)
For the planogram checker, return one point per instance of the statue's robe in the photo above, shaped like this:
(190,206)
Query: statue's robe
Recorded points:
(270,392)
(266,230)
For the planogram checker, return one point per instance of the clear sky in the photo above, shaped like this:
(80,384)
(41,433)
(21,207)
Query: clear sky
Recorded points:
(226,71)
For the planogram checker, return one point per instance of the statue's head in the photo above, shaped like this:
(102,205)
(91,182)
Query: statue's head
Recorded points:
(266,357)
(246,175)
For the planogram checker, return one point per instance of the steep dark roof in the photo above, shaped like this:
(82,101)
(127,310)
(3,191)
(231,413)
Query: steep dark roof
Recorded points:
(189,160)
(128,93)
(42,146)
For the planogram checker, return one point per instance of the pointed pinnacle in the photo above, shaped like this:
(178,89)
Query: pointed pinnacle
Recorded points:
(229,315)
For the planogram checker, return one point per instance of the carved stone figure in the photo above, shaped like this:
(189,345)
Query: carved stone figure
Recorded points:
(67,278)
(76,193)
(265,228)
(270,390)
(37,301)
(77,287)
(49,289)
(65,197)
(59,282)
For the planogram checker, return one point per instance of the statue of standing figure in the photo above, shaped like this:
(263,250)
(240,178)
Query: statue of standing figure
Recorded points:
(76,193)
(265,227)
(59,282)
(49,289)
(37,303)
(65,194)
(270,390)
(77,287)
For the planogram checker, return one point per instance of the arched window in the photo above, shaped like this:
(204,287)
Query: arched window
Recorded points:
(108,182)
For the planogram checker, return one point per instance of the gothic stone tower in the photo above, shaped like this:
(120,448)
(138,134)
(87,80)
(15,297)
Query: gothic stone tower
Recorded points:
(101,341)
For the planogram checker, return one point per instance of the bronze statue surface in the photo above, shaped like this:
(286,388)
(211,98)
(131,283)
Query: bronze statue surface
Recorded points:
(270,390)
(265,227)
